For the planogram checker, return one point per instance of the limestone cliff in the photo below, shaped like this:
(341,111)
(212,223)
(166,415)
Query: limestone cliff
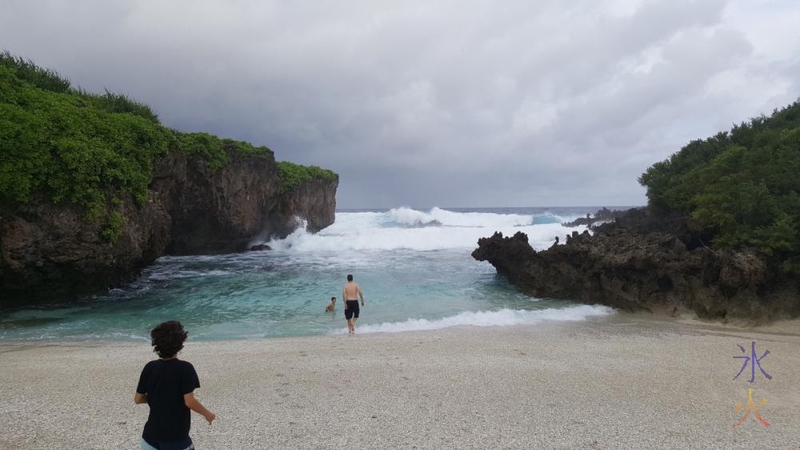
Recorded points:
(50,252)
(313,201)
(642,264)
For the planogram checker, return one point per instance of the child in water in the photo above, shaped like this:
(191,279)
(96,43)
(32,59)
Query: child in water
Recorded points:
(332,305)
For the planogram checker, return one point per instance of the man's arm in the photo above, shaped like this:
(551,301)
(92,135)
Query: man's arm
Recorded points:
(194,404)
(344,296)
(140,398)
(360,294)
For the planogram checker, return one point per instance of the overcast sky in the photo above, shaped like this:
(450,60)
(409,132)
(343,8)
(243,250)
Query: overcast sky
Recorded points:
(436,103)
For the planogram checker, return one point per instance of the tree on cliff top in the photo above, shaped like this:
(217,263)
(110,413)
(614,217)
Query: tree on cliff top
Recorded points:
(742,185)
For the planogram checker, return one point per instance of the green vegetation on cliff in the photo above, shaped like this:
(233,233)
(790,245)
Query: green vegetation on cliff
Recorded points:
(742,185)
(63,144)
(212,148)
(69,145)
(292,174)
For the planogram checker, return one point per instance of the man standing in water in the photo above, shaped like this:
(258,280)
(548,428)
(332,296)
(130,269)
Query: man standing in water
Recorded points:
(350,293)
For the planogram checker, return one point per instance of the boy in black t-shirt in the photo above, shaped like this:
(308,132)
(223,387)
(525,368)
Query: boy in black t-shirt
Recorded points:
(167,385)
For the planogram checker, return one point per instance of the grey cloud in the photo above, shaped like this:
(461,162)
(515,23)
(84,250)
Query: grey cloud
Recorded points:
(421,103)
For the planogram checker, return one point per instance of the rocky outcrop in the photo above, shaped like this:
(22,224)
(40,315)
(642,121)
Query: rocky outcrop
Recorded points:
(313,201)
(604,215)
(215,211)
(636,265)
(50,252)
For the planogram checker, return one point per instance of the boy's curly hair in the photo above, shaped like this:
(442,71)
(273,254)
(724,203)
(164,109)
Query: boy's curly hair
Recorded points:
(167,338)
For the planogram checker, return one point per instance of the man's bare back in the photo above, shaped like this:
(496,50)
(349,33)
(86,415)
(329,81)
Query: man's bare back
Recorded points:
(352,291)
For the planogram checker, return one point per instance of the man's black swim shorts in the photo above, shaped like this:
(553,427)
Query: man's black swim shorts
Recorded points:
(351,310)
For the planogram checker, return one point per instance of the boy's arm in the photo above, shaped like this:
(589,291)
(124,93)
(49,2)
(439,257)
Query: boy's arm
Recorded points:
(141,388)
(194,404)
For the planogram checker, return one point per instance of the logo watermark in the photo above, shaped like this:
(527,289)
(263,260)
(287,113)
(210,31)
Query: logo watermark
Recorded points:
(753,360)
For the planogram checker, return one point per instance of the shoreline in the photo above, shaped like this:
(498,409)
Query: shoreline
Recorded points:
(684,318)
(622,381)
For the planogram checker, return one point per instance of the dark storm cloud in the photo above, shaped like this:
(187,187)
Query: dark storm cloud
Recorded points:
(436,103)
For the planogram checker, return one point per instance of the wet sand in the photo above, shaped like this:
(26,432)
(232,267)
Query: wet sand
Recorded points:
(625,381)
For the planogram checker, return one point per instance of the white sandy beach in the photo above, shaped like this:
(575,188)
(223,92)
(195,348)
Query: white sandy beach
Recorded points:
(618,382)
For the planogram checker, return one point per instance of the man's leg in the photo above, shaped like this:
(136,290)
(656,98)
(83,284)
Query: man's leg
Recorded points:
(356,312)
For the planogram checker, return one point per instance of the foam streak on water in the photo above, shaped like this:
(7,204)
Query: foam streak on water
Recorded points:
(414,266)
(504,317)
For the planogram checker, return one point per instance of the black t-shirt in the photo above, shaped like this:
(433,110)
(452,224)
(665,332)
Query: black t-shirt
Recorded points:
(165,382)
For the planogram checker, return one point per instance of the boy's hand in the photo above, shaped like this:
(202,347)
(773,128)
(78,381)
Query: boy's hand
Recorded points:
(210,417)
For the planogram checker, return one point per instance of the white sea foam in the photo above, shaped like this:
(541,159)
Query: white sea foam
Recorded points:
(504,317)
(443,217)
(438,229)
(412,217)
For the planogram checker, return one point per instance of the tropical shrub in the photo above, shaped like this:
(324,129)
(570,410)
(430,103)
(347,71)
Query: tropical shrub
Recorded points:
(293,174)
(743,185)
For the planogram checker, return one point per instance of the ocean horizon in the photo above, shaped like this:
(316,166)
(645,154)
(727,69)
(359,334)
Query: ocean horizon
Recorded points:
(413,264)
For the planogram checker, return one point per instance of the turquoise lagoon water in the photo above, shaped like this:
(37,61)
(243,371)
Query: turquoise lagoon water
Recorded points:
(414,267)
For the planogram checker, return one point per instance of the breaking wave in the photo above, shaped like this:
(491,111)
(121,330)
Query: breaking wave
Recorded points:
(504,317)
